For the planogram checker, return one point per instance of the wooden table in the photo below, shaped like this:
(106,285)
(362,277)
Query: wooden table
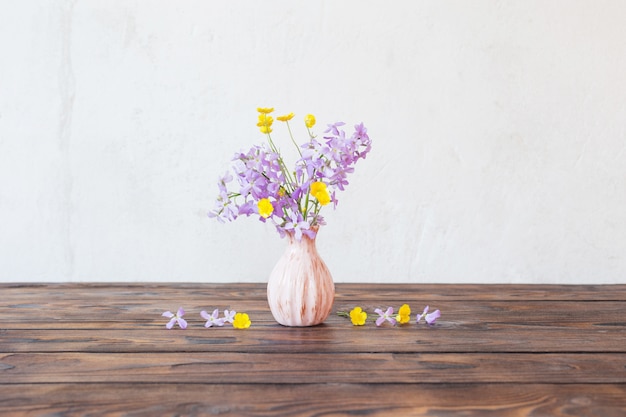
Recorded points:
(497,350)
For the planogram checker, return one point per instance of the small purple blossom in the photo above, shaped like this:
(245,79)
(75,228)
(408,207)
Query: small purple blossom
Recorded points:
(430,318)
(298,226)
(175,318)
(212,319)
(385,316)
(229,316)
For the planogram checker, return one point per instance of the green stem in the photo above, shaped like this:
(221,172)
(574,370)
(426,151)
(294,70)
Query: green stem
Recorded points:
(283,167)
(292,139)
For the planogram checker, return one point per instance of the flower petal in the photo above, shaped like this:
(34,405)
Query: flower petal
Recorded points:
(430,318)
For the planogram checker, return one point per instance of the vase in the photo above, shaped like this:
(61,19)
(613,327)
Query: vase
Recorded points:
(300,289)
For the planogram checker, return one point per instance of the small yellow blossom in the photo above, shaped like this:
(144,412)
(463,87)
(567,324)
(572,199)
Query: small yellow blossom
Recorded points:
(265,110)
(265,129)
(358,316)
(281,192)
(320,192)
(285,117)
(265,120)
(323,197)
(265,123)
(309,120)
(404,314)
(265,207)
(241,321)
(317,186)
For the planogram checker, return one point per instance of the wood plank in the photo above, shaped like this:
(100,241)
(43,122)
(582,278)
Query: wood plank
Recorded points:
(324,338)
(26,292)
(66,312)
(232,368)
(256,400)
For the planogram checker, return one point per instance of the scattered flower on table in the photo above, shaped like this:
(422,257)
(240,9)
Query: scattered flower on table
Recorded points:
(429,318)
(241,321)
(175,318)
(358,316)
(404,314)
(385,316)
(260,183)
(212,319)
(238,320)
(229,316)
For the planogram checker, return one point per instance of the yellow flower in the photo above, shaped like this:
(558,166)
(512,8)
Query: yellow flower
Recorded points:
(320,192)
(265,123)
(323,197)
(358,316)
(309,120)
(265,120)
(265,207)
(241,321)
(265,110)
(317,186)
(404,314)
(285,117)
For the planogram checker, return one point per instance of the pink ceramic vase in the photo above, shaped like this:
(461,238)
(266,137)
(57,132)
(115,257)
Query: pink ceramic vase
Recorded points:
(300,289)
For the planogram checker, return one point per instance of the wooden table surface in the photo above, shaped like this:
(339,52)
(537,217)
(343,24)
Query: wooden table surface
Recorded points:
(497,350)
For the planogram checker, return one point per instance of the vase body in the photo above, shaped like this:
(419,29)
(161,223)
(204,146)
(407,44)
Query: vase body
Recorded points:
(300,289)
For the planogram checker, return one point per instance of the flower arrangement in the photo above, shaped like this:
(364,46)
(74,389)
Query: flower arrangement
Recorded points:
(290,199)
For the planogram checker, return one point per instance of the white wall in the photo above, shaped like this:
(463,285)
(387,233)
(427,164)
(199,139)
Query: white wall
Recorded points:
(498,127)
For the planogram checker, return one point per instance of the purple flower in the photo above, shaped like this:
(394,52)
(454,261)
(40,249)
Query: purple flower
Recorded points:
(229,316)
(334,128)
(212,319)
(385,316)
(429,317)
(222,181)
(225,210)
(175,318)
(298,226)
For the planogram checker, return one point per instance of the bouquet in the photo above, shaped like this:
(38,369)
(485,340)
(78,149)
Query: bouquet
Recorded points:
(260,183)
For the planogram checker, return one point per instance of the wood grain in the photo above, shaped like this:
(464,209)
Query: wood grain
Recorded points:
(231,368)
(325,338)
(279,400)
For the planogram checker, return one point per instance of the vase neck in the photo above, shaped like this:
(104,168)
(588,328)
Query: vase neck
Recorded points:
(304,240)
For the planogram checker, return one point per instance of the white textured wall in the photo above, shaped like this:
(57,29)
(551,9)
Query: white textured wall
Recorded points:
(498,126)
